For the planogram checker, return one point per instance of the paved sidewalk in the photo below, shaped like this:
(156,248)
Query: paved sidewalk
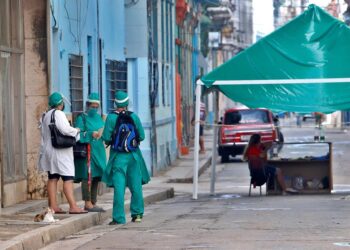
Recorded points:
(182,170)
(19,231)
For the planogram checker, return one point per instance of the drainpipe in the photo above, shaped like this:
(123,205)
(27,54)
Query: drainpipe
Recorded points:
(48,44)
(152,93)
(99,42)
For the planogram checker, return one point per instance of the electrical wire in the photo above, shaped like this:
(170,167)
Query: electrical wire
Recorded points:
(69,21)
(131,3)
(53,15)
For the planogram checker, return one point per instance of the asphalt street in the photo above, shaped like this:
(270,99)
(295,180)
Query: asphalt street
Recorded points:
(231,219)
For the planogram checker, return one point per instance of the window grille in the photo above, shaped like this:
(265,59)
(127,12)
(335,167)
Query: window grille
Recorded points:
(116,79)
(163,85)
(76,84)
(155,29)
(168,91)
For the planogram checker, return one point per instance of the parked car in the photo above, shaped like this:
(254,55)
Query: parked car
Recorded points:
(239,124)
(308,116)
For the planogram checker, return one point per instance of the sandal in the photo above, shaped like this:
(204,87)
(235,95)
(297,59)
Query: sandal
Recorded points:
(60,211)
(78,212)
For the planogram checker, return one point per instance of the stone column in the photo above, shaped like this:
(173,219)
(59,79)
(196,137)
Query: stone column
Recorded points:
(36,88)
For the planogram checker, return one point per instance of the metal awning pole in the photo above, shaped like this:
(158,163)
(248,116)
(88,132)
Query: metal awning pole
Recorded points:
(196,140)
(214,148)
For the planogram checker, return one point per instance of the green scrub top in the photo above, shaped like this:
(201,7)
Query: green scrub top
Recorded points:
(88,124)
(107,137)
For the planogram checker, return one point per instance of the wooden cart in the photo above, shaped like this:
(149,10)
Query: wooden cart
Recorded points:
(308,170)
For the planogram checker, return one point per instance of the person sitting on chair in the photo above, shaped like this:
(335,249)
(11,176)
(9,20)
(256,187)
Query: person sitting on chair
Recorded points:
(256,155)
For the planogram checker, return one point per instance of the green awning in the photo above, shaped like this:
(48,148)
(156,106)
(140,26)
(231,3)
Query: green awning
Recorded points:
(304,66)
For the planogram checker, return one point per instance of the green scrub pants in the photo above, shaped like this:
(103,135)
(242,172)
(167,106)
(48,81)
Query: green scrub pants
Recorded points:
(90,194)
(126,172)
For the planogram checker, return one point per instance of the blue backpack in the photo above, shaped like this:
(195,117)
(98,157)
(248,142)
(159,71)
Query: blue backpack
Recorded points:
(125,137)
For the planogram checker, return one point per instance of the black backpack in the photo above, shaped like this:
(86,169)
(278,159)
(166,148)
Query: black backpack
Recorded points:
(125,137)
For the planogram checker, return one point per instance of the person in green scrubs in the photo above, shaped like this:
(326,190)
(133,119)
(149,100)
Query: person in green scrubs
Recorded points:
(125,169)
(91,127)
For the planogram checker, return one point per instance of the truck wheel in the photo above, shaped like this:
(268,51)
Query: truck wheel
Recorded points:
(225,158)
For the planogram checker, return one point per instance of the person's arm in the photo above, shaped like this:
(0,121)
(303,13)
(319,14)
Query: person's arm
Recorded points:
(85,136)
(267,145)
(245,153)
(108,129)
(63,125)
(139,127)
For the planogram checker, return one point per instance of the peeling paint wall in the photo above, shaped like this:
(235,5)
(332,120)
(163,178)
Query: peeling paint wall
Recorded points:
(36,89)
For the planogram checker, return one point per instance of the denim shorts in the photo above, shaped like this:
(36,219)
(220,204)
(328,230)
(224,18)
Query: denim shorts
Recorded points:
(58,176)
(201,130)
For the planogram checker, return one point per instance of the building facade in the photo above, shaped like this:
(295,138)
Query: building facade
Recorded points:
(23,84)
(79,47)
(188,67)
(230,32)
(150,55)
(105,46)
(12,99)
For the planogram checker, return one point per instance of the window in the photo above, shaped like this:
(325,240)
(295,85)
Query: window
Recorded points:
(89,46)
(246,117)
(167,82)
(11,24)
(116,79)
(16,24)
(5,23)
(167,14)
(154,84)
(171,33)
(163,85)
(155,28)
(163,15)
(76,84)
(12,120)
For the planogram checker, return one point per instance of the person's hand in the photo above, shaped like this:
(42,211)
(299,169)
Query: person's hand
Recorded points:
(78,129)
(96,135)
(267,145)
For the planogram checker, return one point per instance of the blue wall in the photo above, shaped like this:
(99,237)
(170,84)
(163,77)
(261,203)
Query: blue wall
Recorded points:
(124,35)
(102,19)
(137,47)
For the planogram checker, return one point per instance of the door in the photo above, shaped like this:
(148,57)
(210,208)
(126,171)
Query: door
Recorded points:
(12,136)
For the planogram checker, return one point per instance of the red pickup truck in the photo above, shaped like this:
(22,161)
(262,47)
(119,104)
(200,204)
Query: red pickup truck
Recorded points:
(239,124)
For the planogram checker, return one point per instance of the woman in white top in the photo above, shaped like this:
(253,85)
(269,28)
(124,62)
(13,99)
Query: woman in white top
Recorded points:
(58,163)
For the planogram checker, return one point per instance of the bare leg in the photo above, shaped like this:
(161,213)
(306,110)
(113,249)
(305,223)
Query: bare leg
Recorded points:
(201,144)
(86,194)
(68,191)
(52,190)
(88,204)
(280,179)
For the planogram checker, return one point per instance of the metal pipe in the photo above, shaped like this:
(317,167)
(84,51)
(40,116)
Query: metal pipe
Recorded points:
(214,149)
(196,141)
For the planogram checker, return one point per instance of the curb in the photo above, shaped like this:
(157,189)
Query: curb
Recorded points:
(202,168)
(45,235)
